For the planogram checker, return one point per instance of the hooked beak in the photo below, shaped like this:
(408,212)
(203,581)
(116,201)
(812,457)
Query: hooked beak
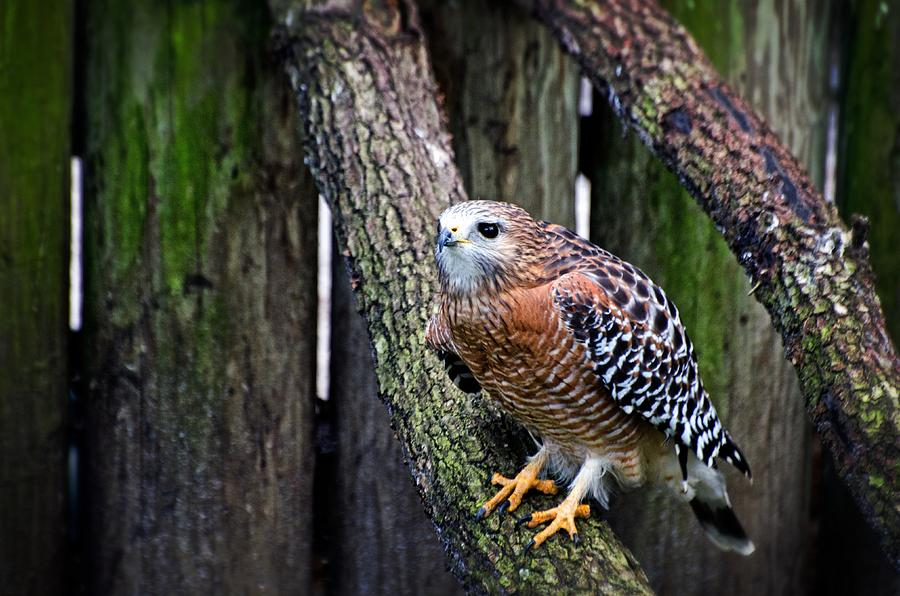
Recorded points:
(447,237)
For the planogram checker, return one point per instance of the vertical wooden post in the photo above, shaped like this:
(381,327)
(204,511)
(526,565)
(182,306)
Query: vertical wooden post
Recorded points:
(870,141)
(850,559)
(385,543)
(775,54)
(200,304)
(511,95)
(35,89)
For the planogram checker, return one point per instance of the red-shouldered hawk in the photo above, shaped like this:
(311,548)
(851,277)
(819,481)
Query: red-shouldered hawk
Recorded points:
(587,352)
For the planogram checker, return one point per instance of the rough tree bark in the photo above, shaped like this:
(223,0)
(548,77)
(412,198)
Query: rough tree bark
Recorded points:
(807,268)
(381,157)
(200,242)
(35,75)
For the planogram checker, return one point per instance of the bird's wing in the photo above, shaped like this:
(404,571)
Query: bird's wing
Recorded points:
(438,338)
(640,352)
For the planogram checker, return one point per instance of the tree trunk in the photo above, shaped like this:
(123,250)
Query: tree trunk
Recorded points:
(383,160)
(35,90)
(775,54)
(200,245)
(807,268)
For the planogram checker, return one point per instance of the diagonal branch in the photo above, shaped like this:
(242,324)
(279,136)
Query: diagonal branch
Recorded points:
(380,155)
(809,270)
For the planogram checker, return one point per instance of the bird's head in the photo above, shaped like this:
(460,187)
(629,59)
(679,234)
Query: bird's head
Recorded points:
(483,245)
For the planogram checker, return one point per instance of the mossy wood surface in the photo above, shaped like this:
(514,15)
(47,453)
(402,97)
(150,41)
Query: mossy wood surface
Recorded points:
(774,53)
(200,247)
(870,140)
(806,266)
(381,156)
(35,88)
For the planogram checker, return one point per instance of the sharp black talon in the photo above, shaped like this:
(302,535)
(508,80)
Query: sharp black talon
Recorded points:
(523,520)
(502,509)
(576,539)
(528,547)
(480,513)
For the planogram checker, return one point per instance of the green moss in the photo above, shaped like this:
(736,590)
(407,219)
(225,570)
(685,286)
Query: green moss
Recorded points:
(174,134)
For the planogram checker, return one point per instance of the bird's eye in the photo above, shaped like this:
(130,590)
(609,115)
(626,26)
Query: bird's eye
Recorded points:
(488,230)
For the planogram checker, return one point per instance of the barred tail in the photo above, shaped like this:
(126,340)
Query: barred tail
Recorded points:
(707,495)
(721,525)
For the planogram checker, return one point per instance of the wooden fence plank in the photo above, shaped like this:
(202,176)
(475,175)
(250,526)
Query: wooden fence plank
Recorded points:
(35,75)
(200,305)
(511,95)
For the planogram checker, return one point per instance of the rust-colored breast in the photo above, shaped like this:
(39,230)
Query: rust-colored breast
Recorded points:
(520,350)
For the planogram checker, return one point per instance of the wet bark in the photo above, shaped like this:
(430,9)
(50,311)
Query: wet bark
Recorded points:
(35,145)
(200,241)
(776,54)
(806,266)
(381,156)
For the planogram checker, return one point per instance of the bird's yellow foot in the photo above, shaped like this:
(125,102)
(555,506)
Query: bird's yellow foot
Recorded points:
(509,497)
(561,517)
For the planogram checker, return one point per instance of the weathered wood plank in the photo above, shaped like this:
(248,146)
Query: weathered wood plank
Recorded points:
(200,260)
(870,140)
(385,543)
(35,145)
(511,96)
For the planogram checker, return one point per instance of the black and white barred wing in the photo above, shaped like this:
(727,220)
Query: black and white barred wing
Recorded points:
(640,352)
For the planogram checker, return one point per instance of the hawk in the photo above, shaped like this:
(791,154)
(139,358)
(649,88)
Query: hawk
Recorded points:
(589,354)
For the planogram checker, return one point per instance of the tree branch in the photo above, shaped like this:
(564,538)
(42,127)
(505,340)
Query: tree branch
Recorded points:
(809,270)
(380,155)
